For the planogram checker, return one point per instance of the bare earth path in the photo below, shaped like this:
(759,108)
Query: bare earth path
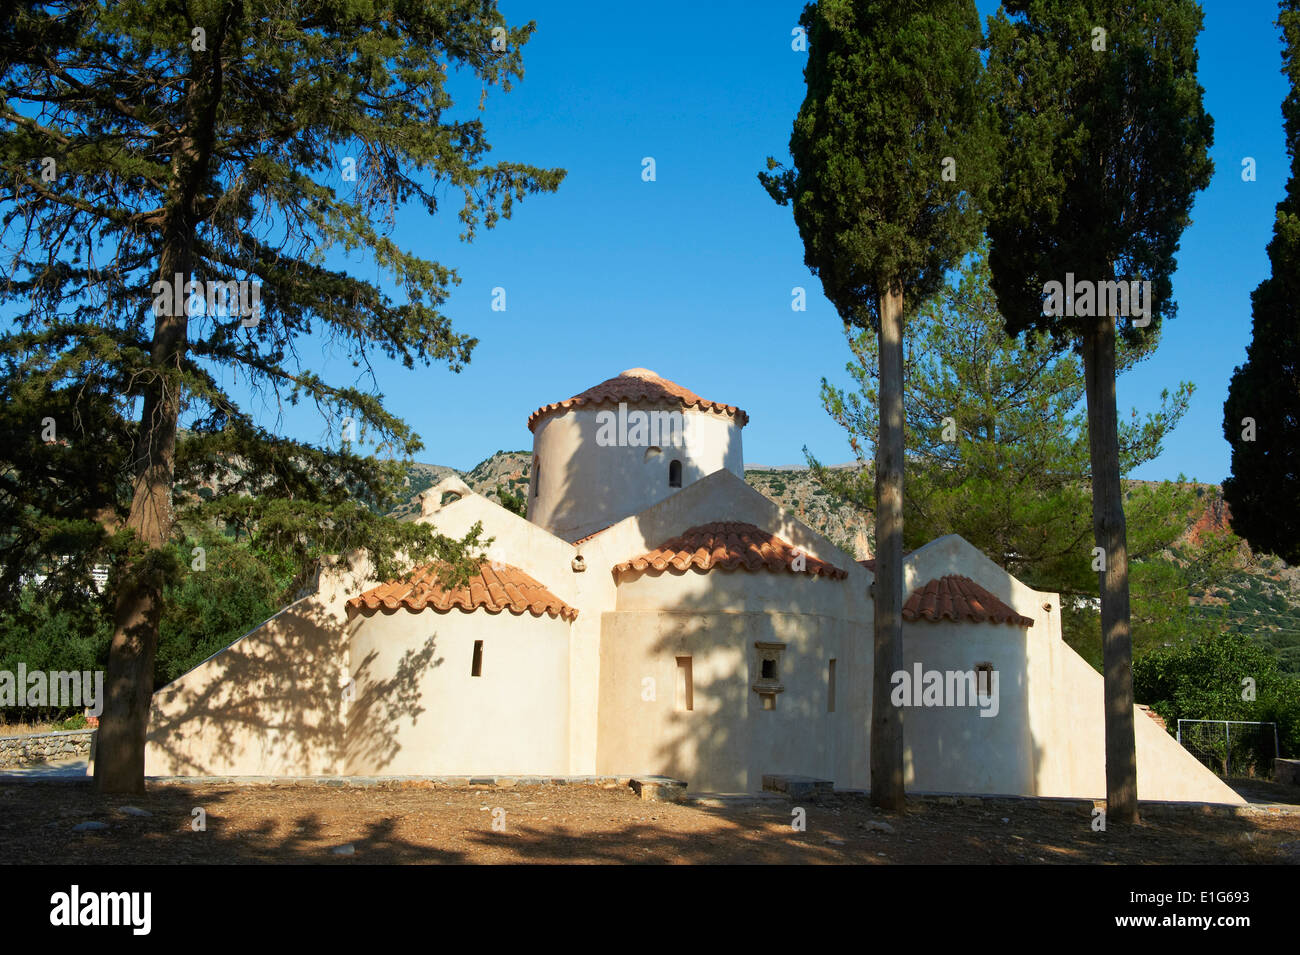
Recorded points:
(586,824)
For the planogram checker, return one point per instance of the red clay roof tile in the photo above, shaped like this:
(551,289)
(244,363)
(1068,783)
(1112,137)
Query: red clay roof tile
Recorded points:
(1154,715)
(639,385)
(493,589)
(583,540)
(730,545)
(959,598)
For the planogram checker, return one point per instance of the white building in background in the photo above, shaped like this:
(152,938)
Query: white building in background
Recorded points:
(656,615)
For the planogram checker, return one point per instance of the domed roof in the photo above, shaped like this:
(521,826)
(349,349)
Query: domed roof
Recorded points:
(730,545)
(494,588)
(644,386)
(959,598)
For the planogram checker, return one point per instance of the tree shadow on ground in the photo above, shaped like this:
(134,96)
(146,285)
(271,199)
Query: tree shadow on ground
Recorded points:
(415,825)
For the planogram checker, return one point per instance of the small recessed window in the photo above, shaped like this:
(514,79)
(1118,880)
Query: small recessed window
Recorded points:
(685,684)
(984,679)
(830,687)
(768,682)
(675,474)
(537,475)
(476,669)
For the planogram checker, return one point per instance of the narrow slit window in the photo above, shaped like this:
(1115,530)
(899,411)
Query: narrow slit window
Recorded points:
(675,474)
(537,476)
(830,687)
(984,679)
(476,669)
(685,684)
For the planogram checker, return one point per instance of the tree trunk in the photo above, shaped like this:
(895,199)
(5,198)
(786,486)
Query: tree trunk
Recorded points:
(887,719)
(1111,537)
(119,749)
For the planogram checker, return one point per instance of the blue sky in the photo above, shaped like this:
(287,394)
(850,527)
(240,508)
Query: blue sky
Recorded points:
(691,275)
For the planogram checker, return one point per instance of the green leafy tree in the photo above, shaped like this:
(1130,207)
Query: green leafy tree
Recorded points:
(1104,143)
(1222,677)
(241,586)
(998,453)
(514,503)
(44,633)
(1261,417)
(224,142)
(887,151)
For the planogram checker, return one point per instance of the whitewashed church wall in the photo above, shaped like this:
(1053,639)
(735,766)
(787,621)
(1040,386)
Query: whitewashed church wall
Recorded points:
(418,709)
(582,486)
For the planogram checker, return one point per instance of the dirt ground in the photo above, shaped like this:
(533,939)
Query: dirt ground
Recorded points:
(584,824)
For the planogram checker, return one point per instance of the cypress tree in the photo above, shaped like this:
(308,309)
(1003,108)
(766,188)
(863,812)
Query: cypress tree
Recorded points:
(1261,417)
(888,149)
(1104,143)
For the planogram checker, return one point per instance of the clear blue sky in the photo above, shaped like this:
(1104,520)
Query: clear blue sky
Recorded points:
(690,275)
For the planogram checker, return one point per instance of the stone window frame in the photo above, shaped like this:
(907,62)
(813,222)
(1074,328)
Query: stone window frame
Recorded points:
(768,688)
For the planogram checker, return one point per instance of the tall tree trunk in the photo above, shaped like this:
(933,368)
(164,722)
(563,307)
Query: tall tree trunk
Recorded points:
(119,749)
(887,719)
(1112,538)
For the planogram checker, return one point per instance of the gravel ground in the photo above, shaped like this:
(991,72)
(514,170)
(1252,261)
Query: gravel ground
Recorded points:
(430,823)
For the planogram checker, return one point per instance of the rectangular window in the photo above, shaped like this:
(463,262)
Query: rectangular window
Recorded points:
(685,684)
(830,687)
(477,668)
(984,679)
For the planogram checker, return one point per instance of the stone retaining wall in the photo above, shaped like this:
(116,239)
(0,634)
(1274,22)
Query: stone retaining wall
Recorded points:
(44,747)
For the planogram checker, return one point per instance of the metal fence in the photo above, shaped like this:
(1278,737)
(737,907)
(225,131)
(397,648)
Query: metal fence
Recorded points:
(1231,747)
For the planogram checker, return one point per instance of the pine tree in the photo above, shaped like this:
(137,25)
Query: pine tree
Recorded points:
(888,149)
(146,144)
(1261,417)
(1104,143)
(998,453)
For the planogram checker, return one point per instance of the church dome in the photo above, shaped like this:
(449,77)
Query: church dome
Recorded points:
(623,446)
(639,386)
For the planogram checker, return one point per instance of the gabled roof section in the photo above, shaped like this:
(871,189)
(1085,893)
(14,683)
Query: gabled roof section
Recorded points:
(644,386)
(583,540)
(870,562)
(960,599)
(730,545)
(494,588)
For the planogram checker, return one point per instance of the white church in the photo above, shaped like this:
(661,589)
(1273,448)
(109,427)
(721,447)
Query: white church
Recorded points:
(655,615)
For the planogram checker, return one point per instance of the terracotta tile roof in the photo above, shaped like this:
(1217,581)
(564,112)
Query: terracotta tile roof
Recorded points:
(959,598)
(583,540)
(493,590)
(730,545)
(639,385)
(1154,715)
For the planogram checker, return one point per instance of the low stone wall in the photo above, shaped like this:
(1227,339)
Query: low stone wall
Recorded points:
(44,747)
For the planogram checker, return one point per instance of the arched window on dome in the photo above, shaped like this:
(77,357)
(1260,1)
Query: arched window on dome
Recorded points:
(675,474)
